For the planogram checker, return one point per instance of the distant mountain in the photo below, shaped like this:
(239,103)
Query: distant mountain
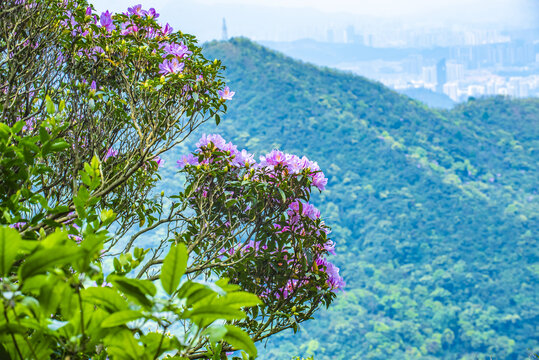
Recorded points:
(435,212)
(430,98)
(332,54)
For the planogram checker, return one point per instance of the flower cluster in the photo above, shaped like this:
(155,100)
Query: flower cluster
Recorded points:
(300,222)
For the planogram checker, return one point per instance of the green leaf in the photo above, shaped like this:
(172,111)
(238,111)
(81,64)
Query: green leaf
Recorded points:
(173,268)
(43,135)
(121,318)
(10,242)
(106,297)
(18,126)
(241,299)
(240,340)
(212,312)
(134,288)
(283,196)
(194,292)
(49,104)
(42,260)
(123,345)
(59,145)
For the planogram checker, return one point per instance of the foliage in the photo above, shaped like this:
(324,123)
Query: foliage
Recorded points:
(89,103)
(435,212)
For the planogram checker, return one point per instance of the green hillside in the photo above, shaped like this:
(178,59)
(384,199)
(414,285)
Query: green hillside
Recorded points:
(435,212)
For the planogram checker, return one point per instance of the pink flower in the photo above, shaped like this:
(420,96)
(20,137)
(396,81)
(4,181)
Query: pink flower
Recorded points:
(187,160)
(179,50)
(136,10)
(106,21)
(226,94)
(110,153)
(128,28)
(160,162)
(171,67)
(166,30)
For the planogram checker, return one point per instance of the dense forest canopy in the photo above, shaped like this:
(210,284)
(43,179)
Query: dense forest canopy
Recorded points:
(437,211)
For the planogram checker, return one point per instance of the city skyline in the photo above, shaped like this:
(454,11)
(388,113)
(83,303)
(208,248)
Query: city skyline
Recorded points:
(296,19)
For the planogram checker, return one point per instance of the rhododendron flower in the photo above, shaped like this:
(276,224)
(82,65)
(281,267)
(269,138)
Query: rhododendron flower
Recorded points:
(18,225)
(160,162)
(110,153)
(136,10)
(187,160)
(152,14)
(179,50)
(320,181)
(216,139)
(166,30)
(88,11)
(226,94)
(129,28)
(243,158)
(106,21)
(335,281)
(171,67)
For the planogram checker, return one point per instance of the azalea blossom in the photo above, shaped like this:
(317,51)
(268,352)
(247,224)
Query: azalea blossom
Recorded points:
(187,160)
(226,94)
(171,67)
(179,50)
(106,21)
(110,153)
(166,30)
(136,10)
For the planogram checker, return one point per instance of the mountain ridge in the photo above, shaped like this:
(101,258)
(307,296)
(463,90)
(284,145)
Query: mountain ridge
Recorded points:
(434,211)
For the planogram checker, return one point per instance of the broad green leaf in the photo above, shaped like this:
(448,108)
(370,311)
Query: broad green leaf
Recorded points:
(121,318)
(240,340)
(173,268)
(49,104)
(45,259)
(10,242)
(134,288)
(123,345)
(213,312)
(106,297)
(240,299)
(194,292)
(12,328)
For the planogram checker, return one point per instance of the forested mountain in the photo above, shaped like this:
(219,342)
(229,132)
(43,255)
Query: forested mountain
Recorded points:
(435,212)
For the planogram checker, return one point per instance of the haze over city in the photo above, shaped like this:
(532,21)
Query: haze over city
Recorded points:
(439,51)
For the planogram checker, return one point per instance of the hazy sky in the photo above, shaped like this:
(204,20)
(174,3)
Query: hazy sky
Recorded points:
(299,18)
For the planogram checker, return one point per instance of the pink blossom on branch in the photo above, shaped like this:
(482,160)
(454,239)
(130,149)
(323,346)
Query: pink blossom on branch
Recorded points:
(226,94)
(171,67)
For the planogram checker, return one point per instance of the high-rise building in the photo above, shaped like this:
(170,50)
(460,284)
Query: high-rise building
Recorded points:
(330,36)
(454,71)
(224,35)
(441,75)
(429,75)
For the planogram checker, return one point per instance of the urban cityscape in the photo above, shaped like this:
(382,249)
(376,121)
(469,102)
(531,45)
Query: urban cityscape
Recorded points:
(456,63)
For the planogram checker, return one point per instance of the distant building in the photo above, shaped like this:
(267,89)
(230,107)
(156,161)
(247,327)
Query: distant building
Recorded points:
(454,71)
(352,37)
(413,64)
(330,36)
(452,90)
(441,75)
(428,74)
(224,35)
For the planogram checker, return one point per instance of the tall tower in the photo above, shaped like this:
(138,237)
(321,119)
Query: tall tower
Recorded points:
(224,35)
(441,75)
